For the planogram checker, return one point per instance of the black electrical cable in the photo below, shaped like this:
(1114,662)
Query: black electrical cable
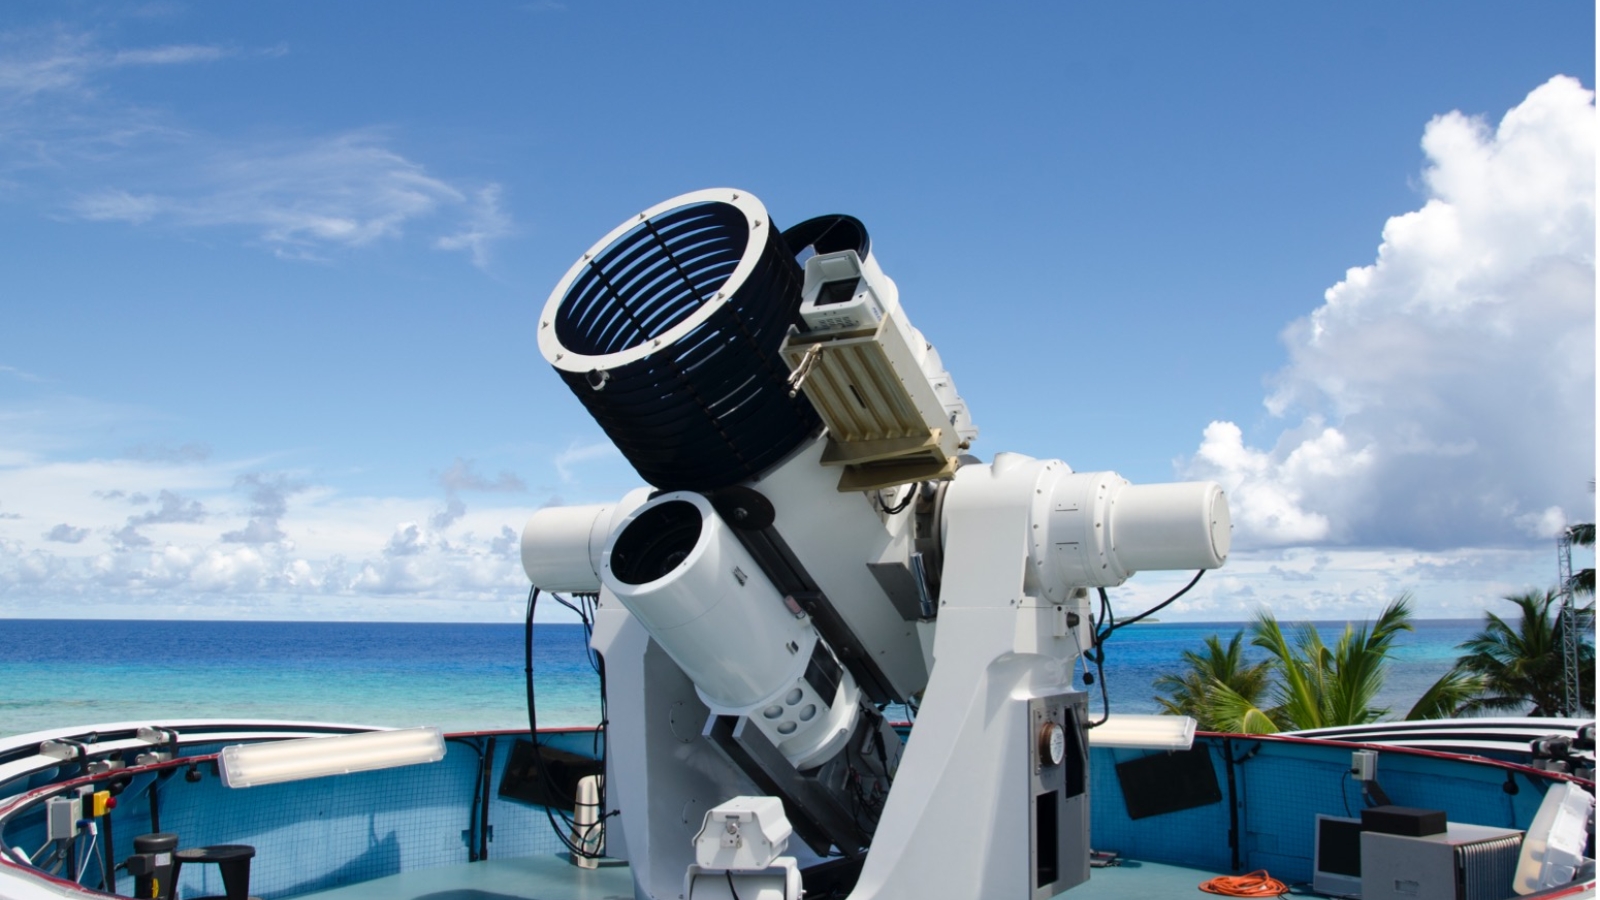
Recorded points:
(1107,625)
(533,717)
(590,604)
(1163,604)
(551,813)
(477,796)
(1098,656)
(108,878)
(731,889)
(900,507)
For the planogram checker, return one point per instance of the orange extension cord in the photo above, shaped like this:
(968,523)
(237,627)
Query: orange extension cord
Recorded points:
(1255,884)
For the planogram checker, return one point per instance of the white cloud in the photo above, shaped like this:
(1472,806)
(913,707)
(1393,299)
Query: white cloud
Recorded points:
(334,554)
(1334,584)
(301,196)
(255,538)
(172,54)
(15,372)
(178,532)
(44,61)
(486,223)
(66,534)
(576,454)
(463,476)
(104,159)
(1446,392)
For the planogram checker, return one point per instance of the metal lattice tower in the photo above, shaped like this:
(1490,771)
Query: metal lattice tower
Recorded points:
(1568,617)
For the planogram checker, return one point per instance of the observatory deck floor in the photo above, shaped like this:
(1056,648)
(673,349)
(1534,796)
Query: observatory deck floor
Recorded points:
(532,878)
(1134,880)
(552,878)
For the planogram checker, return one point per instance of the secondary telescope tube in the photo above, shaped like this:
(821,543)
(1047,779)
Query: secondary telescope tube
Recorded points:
(674,564)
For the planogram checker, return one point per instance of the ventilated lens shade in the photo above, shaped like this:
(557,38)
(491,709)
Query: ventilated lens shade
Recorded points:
(829,234)
(270,762)
(668,333)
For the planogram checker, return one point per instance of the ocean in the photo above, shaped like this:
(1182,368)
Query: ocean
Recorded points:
(456,676)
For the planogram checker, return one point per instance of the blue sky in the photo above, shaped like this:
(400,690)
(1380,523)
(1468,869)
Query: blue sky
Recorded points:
(272,271)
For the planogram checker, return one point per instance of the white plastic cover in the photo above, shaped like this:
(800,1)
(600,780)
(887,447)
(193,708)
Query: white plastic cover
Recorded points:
(746,833)
(1553,848)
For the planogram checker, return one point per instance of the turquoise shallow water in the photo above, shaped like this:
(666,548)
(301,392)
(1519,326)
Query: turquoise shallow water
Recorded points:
(458,677)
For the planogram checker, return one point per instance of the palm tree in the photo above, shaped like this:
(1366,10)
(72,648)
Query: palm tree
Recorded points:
(1189,694)
(1317,686)
(1520,663)
(1583,579)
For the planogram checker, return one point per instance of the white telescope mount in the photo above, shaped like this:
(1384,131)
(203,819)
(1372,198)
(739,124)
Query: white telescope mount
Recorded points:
(817,547)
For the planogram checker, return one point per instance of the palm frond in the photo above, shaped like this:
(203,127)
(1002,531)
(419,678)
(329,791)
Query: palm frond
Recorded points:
(1234,713)
(1581,534)
(1447,697)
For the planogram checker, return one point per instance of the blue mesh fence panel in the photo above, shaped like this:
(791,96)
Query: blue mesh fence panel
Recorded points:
(1191,837)
(521,829)
(327,832)
(322,833)
(1281,787)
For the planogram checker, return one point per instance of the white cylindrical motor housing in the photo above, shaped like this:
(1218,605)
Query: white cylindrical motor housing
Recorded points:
(561,545)
(679,569)
(1099,529)
(1094,529)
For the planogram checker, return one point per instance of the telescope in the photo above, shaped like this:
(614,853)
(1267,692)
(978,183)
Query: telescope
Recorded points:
(817,546)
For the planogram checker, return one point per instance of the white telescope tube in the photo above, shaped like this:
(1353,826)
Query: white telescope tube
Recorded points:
(1171,526)
(682,573)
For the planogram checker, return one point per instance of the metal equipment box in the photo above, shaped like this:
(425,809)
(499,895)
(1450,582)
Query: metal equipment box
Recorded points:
(1466,862)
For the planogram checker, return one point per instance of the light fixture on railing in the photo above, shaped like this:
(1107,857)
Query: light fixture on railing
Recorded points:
(1144,732)
(250,765)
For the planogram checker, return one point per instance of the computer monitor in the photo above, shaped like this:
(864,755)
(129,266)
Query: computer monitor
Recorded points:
(1338,857)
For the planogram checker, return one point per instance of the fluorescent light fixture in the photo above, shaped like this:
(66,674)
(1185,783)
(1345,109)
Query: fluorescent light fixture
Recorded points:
(269,762)
(1144,732)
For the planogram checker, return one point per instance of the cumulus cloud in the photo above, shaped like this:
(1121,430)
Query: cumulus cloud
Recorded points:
(66,534)
(463,476)
(1445,393)
(166,533)
(172,508)
(166,529)
(454,509)
(269,501)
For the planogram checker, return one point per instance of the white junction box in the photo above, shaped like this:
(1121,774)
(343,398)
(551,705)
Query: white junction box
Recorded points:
(1364,765)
